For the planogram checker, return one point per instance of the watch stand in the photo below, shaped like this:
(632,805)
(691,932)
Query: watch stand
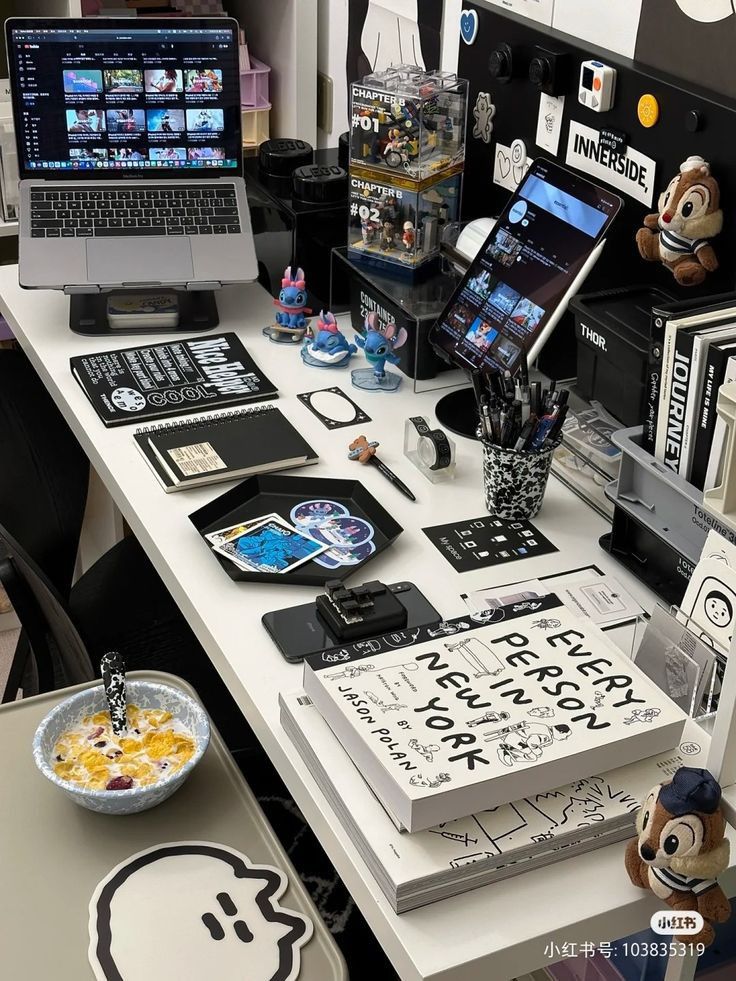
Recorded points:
(141,311)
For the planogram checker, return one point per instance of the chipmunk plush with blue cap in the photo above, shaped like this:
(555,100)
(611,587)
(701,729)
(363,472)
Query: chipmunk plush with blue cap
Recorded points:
(682,848)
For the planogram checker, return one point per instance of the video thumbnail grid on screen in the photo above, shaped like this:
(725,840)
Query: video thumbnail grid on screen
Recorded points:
(118,126)
(113,102)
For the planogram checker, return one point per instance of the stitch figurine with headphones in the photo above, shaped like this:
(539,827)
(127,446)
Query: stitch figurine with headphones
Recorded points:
(378,346)
(681,847)
(689,216)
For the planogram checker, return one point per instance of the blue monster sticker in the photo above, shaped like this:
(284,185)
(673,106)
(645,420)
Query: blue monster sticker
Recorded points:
(271,547)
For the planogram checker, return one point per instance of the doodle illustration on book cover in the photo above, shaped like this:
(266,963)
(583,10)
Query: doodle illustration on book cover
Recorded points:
(494,699)
(474,651)
(382,705)
(427,751)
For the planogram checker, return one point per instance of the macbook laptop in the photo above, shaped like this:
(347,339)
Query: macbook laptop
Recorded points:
(129,153)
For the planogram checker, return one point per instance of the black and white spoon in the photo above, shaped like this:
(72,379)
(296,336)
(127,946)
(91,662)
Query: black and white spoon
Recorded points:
(113,678)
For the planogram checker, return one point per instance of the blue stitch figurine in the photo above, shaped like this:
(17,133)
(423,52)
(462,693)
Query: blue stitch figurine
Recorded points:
(329,348)
(291,324)
(379,346)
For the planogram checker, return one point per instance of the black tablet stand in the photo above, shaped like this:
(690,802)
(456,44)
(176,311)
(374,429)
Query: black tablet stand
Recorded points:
(88,312)
(457,412)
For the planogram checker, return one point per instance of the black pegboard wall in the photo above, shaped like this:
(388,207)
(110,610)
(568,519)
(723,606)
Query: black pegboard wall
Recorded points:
(669,142)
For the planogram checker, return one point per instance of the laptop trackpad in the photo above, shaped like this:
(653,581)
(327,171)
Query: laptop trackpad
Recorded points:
(130,259)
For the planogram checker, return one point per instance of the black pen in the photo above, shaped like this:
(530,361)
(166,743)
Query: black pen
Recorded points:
(390,475)
(524,370)
(364,452)
(526,431)
(535,399)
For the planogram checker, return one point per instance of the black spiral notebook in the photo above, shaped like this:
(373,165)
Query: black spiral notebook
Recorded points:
(169,379)
(226,446)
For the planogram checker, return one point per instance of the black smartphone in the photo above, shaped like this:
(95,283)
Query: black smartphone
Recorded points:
(299,631)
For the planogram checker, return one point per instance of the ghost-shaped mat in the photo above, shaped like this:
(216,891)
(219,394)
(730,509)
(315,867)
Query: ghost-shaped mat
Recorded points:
(194,909)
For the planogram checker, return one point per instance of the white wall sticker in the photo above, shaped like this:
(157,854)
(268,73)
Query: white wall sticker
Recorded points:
(611,25)
(631,172)
(391,34)
(469,26)
(483,113)
(539,10)
(706,12)
(549,122)
(506,172)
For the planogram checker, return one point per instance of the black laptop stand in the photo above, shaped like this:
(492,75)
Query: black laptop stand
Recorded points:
(88,312)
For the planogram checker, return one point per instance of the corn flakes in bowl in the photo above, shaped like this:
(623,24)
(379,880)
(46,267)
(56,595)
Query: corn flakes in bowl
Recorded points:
(76,749)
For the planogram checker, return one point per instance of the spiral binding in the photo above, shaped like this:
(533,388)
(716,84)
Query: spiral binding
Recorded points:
(209,420)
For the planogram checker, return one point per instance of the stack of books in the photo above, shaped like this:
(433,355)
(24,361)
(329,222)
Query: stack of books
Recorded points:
(692,353)
(455,757)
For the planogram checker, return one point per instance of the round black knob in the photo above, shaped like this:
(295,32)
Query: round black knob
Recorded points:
(500,63)
(540,71)
(693,121)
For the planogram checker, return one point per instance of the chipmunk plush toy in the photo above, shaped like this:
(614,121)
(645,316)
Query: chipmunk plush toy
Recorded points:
(689,215)
(681,848)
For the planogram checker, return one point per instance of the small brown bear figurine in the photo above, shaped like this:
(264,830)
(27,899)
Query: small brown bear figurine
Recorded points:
(681,848)
(689,215)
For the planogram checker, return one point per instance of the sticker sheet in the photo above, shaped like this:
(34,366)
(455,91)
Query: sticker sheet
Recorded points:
(194,909)
(485,541)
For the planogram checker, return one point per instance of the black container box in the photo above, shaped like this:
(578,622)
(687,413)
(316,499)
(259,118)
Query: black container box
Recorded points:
(414,306)
(299,211)
(612,330)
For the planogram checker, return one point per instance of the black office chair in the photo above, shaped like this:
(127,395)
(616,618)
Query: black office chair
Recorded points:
(119,603)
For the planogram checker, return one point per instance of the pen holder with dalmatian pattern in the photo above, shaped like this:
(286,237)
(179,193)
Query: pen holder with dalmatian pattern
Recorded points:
(514,481)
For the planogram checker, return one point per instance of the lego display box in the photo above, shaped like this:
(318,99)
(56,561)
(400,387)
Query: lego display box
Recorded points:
(408,122)
(399,225)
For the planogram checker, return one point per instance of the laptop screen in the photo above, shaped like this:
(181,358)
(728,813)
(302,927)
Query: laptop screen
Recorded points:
(119,98)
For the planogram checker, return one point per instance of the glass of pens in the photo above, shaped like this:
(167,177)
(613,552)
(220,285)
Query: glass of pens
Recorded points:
(520,428)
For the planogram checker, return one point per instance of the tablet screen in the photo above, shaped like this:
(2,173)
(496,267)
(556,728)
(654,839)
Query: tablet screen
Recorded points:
(524,269)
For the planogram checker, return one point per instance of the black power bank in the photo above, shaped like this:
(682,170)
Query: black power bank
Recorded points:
(299,630)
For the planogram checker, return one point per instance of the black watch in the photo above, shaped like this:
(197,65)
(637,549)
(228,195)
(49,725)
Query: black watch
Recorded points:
(433,448)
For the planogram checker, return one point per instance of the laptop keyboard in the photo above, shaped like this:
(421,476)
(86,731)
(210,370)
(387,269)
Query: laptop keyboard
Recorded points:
(199,209)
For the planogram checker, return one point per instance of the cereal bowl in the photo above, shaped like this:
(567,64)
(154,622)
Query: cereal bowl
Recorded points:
(147,695)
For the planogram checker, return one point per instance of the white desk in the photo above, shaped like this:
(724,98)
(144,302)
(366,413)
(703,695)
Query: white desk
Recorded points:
(489,934)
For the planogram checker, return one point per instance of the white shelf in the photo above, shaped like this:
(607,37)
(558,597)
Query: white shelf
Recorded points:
(8,228)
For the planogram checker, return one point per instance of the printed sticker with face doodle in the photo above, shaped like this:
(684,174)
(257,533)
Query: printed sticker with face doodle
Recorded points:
(194,909)
(711,602)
